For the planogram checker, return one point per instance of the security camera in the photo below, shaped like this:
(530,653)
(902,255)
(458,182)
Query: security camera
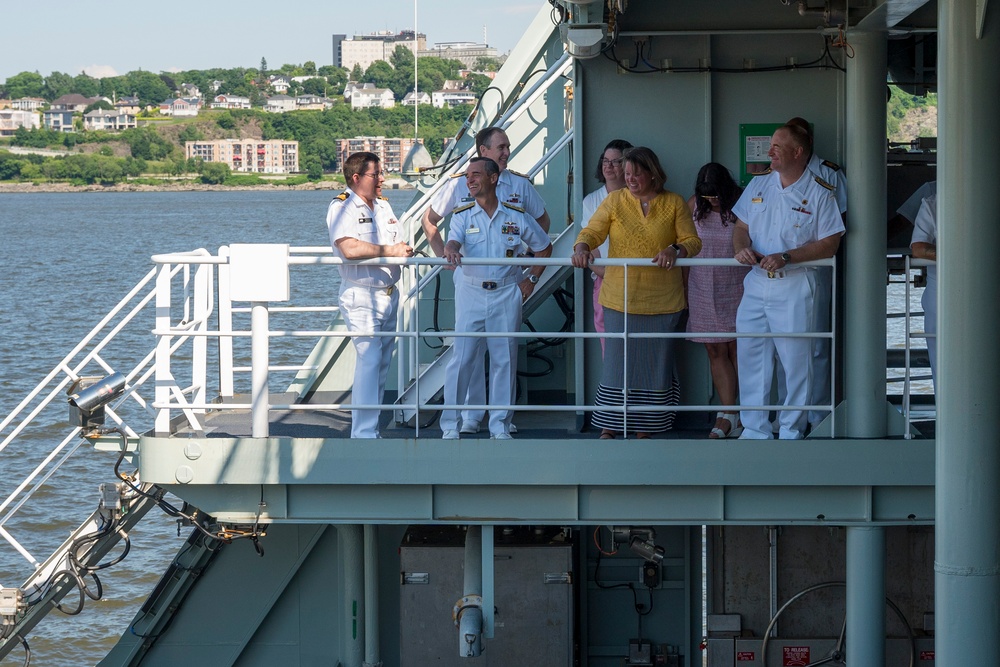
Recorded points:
(88,396)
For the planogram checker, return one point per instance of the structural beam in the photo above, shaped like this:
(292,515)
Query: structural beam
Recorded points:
(967,571)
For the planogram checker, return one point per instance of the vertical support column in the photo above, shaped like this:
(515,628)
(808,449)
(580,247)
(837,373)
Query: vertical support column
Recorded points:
(967,573)
(864,263)
(372,640)
(352,558)
(488,582)
(164,378)
(259,374)
(865,596)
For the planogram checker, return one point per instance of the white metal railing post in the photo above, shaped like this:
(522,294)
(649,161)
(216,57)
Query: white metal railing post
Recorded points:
(164,379)
(906,346)
(199,346)
(226,385)
(259,342)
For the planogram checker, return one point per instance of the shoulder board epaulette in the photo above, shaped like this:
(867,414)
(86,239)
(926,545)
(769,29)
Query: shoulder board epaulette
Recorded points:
(343,196)
(464,208)
(517,173)
(763,173)
(824,184)
(514,206)
(458,175)
(830,165)
(384,198)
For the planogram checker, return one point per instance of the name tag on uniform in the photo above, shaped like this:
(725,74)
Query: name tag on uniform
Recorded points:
(757,200)
(472,230)
(364,220)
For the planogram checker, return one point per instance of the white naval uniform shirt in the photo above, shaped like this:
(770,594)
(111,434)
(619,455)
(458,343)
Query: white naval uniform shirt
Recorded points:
(349,216)
(833,174)
(511,188)
(499,236)
(782,219)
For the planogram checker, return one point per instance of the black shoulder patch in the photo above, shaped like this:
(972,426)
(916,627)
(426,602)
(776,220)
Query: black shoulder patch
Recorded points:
(830,165)
(825,184)
(464,208)
(514,207)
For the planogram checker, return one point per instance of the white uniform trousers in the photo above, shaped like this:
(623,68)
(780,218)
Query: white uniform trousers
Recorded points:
(929,303)
(369,310)
(479,309)
(775,305)
(477,369)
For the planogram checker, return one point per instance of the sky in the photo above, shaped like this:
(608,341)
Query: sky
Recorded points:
(187,34)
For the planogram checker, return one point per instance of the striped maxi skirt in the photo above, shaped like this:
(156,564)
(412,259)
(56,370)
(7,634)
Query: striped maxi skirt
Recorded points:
(651,377)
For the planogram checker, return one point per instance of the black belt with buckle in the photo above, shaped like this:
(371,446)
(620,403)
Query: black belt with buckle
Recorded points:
(490,285)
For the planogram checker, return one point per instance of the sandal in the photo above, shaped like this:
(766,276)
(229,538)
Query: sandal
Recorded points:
(607,434)
(734,430)
(642,435)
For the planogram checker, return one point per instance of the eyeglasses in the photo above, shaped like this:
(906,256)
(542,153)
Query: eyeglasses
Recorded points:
(614,163)
(374,174)
(709,197)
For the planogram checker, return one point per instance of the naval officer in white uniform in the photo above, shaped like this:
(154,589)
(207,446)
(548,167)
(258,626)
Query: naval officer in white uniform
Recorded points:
(785,217)
(512,188)
(488,298)
(363,226)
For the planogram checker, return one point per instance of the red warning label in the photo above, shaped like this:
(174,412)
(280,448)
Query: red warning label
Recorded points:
(795,656)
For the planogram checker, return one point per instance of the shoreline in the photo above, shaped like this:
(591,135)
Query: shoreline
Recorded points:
(6,187)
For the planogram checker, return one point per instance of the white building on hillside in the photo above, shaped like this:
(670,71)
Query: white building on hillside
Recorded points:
(452,98)
(230,102)
(364,98)
(363,50)
(11,119)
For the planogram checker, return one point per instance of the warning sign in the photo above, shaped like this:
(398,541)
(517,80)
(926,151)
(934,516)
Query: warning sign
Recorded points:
(795,656)
(927,655)
(745,656)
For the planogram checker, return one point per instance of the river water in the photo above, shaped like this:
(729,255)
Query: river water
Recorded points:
(66,260)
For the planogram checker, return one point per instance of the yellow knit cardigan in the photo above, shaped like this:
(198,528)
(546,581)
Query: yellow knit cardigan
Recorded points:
(651,290)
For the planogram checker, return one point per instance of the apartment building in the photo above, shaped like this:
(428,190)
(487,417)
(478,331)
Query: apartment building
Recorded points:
(11,119)
(113,121)
(392,151)
(273,156)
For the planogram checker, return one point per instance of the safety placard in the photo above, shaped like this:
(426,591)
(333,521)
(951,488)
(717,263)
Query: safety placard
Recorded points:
(795,656)
(746,656)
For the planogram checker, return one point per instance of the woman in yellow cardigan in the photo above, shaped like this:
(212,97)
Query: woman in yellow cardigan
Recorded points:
(642,220)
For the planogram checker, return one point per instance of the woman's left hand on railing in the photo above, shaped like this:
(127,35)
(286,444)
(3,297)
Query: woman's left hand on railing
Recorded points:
(581,257)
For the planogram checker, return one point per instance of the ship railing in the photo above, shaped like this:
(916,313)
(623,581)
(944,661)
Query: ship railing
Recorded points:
(910,334)
(105,349)
(261,334)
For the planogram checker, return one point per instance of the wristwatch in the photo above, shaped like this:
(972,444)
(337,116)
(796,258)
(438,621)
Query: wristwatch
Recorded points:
(785,257)
(533,279)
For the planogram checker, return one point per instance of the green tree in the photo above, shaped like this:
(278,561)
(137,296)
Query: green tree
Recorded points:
(486,64)
(189,133)
(85,85)
(99,104)
(356,74)
(315,86)
(308,68)
(381,74)
(25,84)
(478,83)
(58,84)
(313,167)
(263,67)
(214,173)
(148,87)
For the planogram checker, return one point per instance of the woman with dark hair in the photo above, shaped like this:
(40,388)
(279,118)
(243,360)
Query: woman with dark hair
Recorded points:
(611,173)
(714,292)
(642,220)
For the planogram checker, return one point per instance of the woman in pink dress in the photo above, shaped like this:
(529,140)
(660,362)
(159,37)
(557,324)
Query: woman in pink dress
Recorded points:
(714,292)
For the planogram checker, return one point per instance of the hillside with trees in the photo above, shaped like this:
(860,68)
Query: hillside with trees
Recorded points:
(157,146)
